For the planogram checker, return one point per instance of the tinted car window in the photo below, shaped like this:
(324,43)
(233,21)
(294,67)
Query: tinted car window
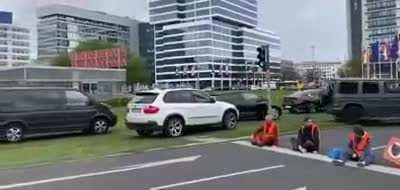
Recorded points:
(250,97)
(348,88)
(179,97)
(392,87)
(75,98)
(144,98)
(30,100)
(370,88)
(235,99)
(201,97)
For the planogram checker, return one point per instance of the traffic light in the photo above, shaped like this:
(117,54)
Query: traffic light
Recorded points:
(263,57)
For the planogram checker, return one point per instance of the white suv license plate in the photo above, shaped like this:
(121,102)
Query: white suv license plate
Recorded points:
(136,110)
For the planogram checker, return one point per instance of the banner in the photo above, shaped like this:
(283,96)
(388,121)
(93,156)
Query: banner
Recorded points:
(106,58)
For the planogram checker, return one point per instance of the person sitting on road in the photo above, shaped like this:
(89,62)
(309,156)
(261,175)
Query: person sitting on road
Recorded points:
(267,134)
(307,137)
(359,149)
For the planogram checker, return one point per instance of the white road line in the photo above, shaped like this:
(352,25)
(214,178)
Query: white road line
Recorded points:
(301,188)
(113,171)
(323,158)
(216,177)
(378,148)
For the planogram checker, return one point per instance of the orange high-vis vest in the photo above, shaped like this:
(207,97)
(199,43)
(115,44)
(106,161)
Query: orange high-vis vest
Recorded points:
(362,145)
(272,130)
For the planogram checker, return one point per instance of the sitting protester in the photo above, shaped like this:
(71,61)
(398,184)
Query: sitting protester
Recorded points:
(359,149)
(267,134)
(307,137)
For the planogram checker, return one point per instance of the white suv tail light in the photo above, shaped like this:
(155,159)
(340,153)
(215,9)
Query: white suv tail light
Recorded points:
(151,109)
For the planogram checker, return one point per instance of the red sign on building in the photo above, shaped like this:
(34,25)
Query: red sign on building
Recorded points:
(105,58)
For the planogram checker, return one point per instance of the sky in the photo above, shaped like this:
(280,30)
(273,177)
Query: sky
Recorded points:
(301,24)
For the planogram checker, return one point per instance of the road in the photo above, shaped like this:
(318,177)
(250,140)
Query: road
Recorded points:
(231,165)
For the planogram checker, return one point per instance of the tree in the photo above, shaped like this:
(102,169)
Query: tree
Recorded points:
(351,69)
(289,74)
(90,45)
(136,71)
(61,60)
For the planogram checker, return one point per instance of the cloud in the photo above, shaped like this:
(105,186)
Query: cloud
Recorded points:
(300,23)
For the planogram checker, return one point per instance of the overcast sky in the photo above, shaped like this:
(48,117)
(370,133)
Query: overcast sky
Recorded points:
(300,23)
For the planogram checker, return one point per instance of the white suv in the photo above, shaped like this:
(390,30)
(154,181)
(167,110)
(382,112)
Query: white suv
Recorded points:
(171,111)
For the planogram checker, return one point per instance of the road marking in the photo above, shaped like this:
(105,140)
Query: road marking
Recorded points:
(323,158)
(113,171)
(378,148)
(301,188)
(216,177)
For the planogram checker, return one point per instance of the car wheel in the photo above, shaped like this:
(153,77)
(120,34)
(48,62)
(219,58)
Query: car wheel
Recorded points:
(143,133)
(230,120)
(14,133)
(174,127)
(261,114)
(275,113)
(352,114)
(100,126)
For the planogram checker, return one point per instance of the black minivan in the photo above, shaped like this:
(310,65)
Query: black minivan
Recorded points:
(28,111)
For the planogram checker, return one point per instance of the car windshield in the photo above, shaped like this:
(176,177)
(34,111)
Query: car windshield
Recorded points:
(144,98)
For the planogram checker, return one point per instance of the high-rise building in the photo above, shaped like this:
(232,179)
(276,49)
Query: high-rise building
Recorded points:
(354,22)
(14,42)
(381,20)
(210,43)
(61,27)
(146,46)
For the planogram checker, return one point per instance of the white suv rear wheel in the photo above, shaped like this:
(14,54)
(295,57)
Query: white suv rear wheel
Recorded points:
(174,127)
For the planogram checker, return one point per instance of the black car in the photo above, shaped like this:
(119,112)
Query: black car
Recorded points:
(249,104)
(307,101)
(28,111)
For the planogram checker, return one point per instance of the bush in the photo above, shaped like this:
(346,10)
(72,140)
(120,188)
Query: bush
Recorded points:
(117,102)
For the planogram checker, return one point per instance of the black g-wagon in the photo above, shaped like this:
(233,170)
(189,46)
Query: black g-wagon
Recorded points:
(28,111)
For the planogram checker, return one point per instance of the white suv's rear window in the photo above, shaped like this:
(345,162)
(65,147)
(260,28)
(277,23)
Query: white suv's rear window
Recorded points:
(144,98)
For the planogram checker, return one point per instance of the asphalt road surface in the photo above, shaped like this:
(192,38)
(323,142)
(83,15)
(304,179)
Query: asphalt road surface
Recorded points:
(220,166)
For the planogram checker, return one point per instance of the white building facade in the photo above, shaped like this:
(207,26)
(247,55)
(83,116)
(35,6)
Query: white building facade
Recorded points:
(324,70)
(210,43)
(14,46)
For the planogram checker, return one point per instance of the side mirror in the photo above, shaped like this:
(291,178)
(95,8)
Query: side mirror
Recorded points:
(213,100)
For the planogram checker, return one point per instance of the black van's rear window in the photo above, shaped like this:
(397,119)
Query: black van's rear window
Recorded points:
(144,98)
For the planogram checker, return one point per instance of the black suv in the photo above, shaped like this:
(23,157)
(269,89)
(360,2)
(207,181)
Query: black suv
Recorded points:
(249,104)
(29,111)
(352,100)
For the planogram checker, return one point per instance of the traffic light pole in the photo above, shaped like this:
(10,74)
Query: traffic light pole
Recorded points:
(268,77)
(264,63)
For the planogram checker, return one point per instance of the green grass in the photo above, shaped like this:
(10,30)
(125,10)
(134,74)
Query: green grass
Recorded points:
(83,147)
(78,147)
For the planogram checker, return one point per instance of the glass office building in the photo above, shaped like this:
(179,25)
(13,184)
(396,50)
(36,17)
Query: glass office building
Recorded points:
(210,43)
(14,43)
(381,20)
(62,27)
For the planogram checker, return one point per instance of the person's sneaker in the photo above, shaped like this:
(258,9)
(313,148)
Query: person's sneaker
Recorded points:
(361,164)
(338,162)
